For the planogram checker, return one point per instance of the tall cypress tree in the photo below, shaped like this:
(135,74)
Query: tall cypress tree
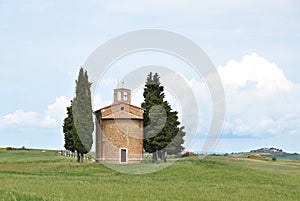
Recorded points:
(69,130)
(160,122)
(83,115)
(153,98)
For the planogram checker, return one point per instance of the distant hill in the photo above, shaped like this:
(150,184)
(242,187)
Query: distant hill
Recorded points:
(273,152)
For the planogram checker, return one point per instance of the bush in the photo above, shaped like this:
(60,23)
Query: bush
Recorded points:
(255,156)
(192,154)
(274,158)
(188,153)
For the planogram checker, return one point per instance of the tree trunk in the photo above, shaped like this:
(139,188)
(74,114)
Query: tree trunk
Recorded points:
(81,157)
(154,157)
(160,154)
(78,157)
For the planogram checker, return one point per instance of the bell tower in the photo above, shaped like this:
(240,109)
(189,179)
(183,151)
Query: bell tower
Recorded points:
(122,95)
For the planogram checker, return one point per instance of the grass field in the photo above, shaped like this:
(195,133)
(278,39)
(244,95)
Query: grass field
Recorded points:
(36,175)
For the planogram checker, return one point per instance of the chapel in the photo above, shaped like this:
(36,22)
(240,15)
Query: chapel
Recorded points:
(119,130)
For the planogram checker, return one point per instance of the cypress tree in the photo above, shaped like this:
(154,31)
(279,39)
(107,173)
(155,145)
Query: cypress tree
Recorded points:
(83,116)
(153,99)
(160,122)
(69,130)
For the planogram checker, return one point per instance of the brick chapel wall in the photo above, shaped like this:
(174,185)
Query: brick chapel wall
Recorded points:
(122,133)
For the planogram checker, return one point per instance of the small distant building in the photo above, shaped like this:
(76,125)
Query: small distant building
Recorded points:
(119,130)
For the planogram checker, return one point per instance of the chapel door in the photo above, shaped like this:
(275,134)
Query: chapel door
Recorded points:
(123,156)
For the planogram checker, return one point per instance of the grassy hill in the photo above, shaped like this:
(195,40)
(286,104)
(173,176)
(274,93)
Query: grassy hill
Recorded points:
(37,175)
(272,152)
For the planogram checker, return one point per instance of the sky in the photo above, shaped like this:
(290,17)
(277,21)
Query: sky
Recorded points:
(254,46)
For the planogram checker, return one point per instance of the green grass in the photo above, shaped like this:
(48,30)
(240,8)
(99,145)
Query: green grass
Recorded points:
(31,156)
(50,177)
(279,166)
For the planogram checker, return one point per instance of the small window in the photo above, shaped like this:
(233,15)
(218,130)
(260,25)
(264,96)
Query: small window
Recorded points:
(125,96)
(122,108)
(119,96)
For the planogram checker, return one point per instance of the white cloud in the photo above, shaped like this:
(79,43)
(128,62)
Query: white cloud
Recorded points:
(56,112)
(260,100)
(18,117)
(254,71)
(262,106)
(53,116)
